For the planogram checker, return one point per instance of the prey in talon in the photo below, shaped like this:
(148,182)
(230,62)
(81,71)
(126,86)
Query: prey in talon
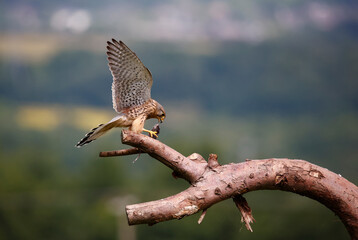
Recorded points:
(131,94)
(155,131)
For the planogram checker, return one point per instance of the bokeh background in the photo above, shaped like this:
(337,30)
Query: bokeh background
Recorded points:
(243,79)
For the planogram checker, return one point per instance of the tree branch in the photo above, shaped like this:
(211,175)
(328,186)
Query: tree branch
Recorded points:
(122,152)
(212,183)
(182,166)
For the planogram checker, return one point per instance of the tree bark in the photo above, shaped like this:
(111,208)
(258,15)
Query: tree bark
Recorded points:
(212,183)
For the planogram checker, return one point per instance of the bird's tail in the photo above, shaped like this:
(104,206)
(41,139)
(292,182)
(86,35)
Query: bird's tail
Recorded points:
(100,130)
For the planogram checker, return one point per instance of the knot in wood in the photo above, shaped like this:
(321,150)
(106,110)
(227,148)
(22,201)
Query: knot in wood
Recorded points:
(316,174)
(280,180)
(213,161)
(217,191)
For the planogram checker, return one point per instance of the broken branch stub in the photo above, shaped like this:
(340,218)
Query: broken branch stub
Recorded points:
(245,210)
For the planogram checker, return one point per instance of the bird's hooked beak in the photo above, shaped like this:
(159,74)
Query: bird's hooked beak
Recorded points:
(161,119)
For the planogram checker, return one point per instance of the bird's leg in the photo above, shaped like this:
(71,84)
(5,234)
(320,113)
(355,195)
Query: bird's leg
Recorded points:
(151,133)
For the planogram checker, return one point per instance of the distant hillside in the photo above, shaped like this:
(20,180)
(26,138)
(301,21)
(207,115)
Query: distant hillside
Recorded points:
(311,74)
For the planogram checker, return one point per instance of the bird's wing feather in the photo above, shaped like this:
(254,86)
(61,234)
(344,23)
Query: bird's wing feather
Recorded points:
(132,81)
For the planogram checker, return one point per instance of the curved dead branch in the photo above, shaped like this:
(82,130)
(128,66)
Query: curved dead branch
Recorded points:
(189,169)
(212,183)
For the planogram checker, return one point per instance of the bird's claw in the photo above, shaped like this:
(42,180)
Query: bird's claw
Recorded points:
(152,134)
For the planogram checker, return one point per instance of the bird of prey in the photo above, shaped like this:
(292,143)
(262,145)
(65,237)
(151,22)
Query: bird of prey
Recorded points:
(131,86)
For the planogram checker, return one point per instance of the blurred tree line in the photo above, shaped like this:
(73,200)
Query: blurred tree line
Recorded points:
(290,76)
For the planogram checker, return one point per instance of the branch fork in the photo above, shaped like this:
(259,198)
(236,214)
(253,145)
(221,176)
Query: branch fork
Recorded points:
(211,183)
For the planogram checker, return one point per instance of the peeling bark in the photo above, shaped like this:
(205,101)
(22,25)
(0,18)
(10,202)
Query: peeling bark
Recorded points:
(212,183)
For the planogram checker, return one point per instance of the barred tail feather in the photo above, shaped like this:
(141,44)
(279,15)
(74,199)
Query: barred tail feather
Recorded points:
(100,130)
(89,137)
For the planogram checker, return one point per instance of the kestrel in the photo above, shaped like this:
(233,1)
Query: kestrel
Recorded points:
(131,86)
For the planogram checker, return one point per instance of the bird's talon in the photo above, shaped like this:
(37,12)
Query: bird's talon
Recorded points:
(152,134)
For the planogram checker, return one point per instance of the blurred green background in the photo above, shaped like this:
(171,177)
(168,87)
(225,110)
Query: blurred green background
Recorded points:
(243,79)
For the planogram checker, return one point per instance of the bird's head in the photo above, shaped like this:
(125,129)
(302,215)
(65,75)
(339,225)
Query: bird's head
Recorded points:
(160,113)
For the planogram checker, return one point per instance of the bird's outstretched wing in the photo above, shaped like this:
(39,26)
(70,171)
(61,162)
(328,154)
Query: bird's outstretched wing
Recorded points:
(132,81)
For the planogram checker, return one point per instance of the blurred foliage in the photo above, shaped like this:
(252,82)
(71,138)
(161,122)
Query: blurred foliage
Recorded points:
(295,75)
(51,190)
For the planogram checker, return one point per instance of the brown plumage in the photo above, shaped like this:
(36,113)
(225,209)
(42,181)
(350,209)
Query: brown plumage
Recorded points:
(131,86)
